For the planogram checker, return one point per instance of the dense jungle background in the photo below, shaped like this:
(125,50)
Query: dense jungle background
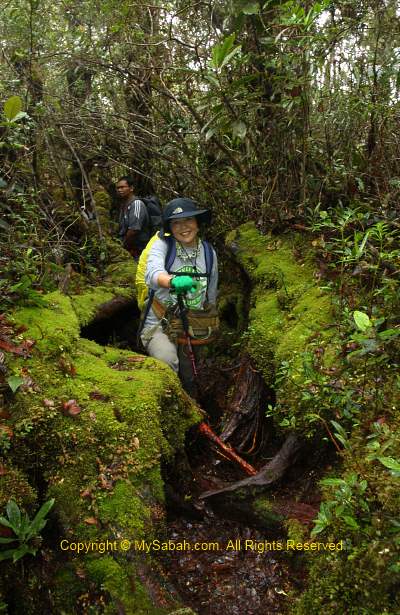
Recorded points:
(284,114)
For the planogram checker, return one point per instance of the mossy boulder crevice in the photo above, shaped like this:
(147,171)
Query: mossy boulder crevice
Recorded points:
(291,318)
(101,465)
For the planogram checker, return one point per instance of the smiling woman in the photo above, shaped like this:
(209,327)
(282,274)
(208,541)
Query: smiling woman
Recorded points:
(182,293)
(185,231)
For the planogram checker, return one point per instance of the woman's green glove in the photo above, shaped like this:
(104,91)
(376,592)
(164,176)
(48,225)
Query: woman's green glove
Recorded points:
(183,284)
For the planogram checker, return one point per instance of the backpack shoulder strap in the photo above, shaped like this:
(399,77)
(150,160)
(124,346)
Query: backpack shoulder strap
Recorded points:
(209,257)
(171,253)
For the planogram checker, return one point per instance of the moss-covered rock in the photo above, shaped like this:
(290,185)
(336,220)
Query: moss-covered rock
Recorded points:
(98,455)
(293,339)
(290,320)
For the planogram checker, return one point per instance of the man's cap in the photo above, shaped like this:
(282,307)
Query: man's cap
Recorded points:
(184,208)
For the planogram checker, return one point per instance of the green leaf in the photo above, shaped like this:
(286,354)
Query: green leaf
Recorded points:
(362,320)
(390,463)
(239,129)
(12,107)
(212,80)
(5,541)
(20,116)
(14,382)
(332,482)
(210,133)
(14,514)
(230,55)
(351,522)
(4,521)
(339,428)
(25,528)
(252,8)
(363,486)
(362,245)
(6,554)
(339,510)
(38,522)
(221,50)
(318,528)
(388,334)
(23,550)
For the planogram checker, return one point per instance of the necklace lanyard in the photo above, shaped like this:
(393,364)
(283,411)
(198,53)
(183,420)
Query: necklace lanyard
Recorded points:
(187,256)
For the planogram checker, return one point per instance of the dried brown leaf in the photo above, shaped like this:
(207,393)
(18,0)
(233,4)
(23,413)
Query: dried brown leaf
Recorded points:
(7,430)
(71,408)
(91,521)
(98,395)
(105,483)
(137,359)
(86,493)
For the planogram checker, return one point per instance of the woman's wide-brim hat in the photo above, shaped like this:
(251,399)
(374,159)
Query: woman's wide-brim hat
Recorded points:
(184,208)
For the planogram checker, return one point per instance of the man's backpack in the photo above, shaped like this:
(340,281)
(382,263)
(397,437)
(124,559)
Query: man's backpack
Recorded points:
(142,291)
(154,211)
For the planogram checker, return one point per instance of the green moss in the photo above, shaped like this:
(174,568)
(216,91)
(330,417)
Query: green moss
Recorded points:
(14,484)
(122,273)
(363,578)
(265,510)
(103,201)
(361,585)
(67,588)
(289,316)
(295,530)
(115,579)
(102,465)
(125,508)
(54,327)
(86,304)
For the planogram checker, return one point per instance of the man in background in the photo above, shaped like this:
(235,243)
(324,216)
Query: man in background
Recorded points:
(134,220)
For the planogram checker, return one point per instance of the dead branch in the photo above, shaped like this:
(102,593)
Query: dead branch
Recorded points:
(271,472)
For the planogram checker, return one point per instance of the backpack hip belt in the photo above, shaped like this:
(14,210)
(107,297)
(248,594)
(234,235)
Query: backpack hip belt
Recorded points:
(203,324)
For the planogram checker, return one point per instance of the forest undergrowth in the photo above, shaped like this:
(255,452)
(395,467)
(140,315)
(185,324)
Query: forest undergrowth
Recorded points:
(276,113)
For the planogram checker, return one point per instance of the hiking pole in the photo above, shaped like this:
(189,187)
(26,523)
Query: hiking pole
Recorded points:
(205,429)
(185,324)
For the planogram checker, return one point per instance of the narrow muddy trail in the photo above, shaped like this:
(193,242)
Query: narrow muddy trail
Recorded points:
(222,558)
